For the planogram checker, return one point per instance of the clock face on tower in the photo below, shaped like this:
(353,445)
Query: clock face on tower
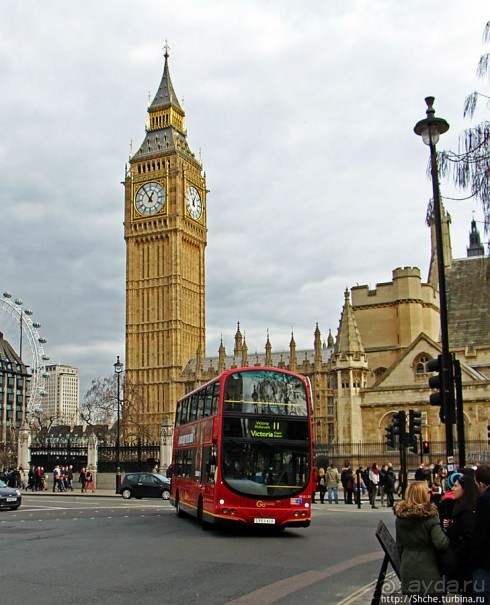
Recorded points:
(150,199)
(193,203)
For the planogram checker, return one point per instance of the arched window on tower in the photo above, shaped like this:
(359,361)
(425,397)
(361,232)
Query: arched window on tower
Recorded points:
(420,366)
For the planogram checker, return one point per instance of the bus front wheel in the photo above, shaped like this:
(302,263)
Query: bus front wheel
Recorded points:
(180,513)
(200,516)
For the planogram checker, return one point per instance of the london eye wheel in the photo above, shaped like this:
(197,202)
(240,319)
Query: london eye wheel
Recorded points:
(21,331)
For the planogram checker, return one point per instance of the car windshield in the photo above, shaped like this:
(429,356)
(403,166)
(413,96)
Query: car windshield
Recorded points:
(162,478)
(265,469)
(2,484)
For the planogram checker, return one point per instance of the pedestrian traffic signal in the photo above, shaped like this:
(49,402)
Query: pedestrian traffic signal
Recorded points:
(425,447)
(390,437)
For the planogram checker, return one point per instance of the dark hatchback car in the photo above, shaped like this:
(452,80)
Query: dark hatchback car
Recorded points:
(145,485)
(9,497)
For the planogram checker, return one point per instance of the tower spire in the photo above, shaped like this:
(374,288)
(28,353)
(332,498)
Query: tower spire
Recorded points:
(348,337)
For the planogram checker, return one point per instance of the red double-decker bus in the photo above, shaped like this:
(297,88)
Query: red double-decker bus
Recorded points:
(242,450)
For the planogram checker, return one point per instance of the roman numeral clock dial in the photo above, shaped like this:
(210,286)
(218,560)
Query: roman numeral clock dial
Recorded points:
(193,203)
(149,199)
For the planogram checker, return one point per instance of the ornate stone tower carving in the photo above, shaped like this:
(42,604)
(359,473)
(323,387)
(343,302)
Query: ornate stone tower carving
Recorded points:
(165,233)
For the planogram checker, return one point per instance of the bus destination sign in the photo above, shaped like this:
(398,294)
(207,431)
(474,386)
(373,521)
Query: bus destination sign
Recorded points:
(267,429)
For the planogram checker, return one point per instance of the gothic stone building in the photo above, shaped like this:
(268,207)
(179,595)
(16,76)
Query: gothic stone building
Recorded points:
(375,366)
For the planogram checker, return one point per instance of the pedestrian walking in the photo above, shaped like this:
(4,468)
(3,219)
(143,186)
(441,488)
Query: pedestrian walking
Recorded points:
(322,484)
(460,530)
(81,479)
(389,481)
(89,481)
(374,481)
(347,480)
(333,480)
(419,537)
(314,480)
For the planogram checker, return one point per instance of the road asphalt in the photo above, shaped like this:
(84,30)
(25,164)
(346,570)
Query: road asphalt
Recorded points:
(362,596)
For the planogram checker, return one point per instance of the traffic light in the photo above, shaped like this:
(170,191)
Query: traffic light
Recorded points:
(425,447)
(390,437)
(414,429)
(444,383)
(399,429)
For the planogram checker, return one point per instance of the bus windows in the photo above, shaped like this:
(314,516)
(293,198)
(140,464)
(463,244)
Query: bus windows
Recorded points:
(234,393)
(209,462)
(184,463)
(178,413)
(201,398)
(265,392)
(183,414)
(193,408)
(215,399)
(208,400)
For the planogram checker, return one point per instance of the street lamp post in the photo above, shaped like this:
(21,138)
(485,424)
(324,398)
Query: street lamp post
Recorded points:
(429,129)
(118,368)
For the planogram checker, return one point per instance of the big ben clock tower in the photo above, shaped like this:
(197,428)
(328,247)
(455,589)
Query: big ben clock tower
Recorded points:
(165,233)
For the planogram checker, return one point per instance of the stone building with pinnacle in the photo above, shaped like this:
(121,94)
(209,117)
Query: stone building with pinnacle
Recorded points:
(376,364)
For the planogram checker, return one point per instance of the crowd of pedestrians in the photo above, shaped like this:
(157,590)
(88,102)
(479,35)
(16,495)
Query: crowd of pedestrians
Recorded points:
(35,479)
(443,534)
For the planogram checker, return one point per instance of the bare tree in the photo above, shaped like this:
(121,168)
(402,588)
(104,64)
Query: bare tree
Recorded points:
(100,407)
(100,402)
(469,167)
(40,420)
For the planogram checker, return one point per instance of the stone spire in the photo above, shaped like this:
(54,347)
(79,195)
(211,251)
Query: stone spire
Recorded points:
(293,361)
(165,128)
(244,353)
(318,346)
(348,337)
(476,247)
(330,341)
(221,357)
(447,251)
(237,352)
(268,351)
(165,96)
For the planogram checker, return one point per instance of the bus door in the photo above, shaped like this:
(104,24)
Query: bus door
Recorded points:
(208,475)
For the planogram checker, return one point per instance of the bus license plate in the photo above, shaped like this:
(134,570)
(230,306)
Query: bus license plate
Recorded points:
(264,520)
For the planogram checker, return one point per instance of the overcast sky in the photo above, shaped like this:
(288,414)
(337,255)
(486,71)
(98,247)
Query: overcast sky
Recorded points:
(304,111)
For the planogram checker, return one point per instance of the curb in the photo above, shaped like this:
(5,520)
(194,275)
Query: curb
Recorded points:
(104,493)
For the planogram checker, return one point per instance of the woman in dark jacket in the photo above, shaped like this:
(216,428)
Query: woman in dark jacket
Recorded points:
(460,531)
(418,537)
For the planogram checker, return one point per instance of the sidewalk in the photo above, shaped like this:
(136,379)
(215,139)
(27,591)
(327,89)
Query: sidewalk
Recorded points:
(104,493)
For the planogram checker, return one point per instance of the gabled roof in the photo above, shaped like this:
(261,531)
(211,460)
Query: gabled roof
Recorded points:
(431,348)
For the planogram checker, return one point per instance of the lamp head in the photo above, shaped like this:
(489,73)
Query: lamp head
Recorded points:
(118,366)
(431,127)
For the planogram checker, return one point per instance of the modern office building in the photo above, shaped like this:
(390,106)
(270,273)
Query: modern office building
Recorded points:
(62,402)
